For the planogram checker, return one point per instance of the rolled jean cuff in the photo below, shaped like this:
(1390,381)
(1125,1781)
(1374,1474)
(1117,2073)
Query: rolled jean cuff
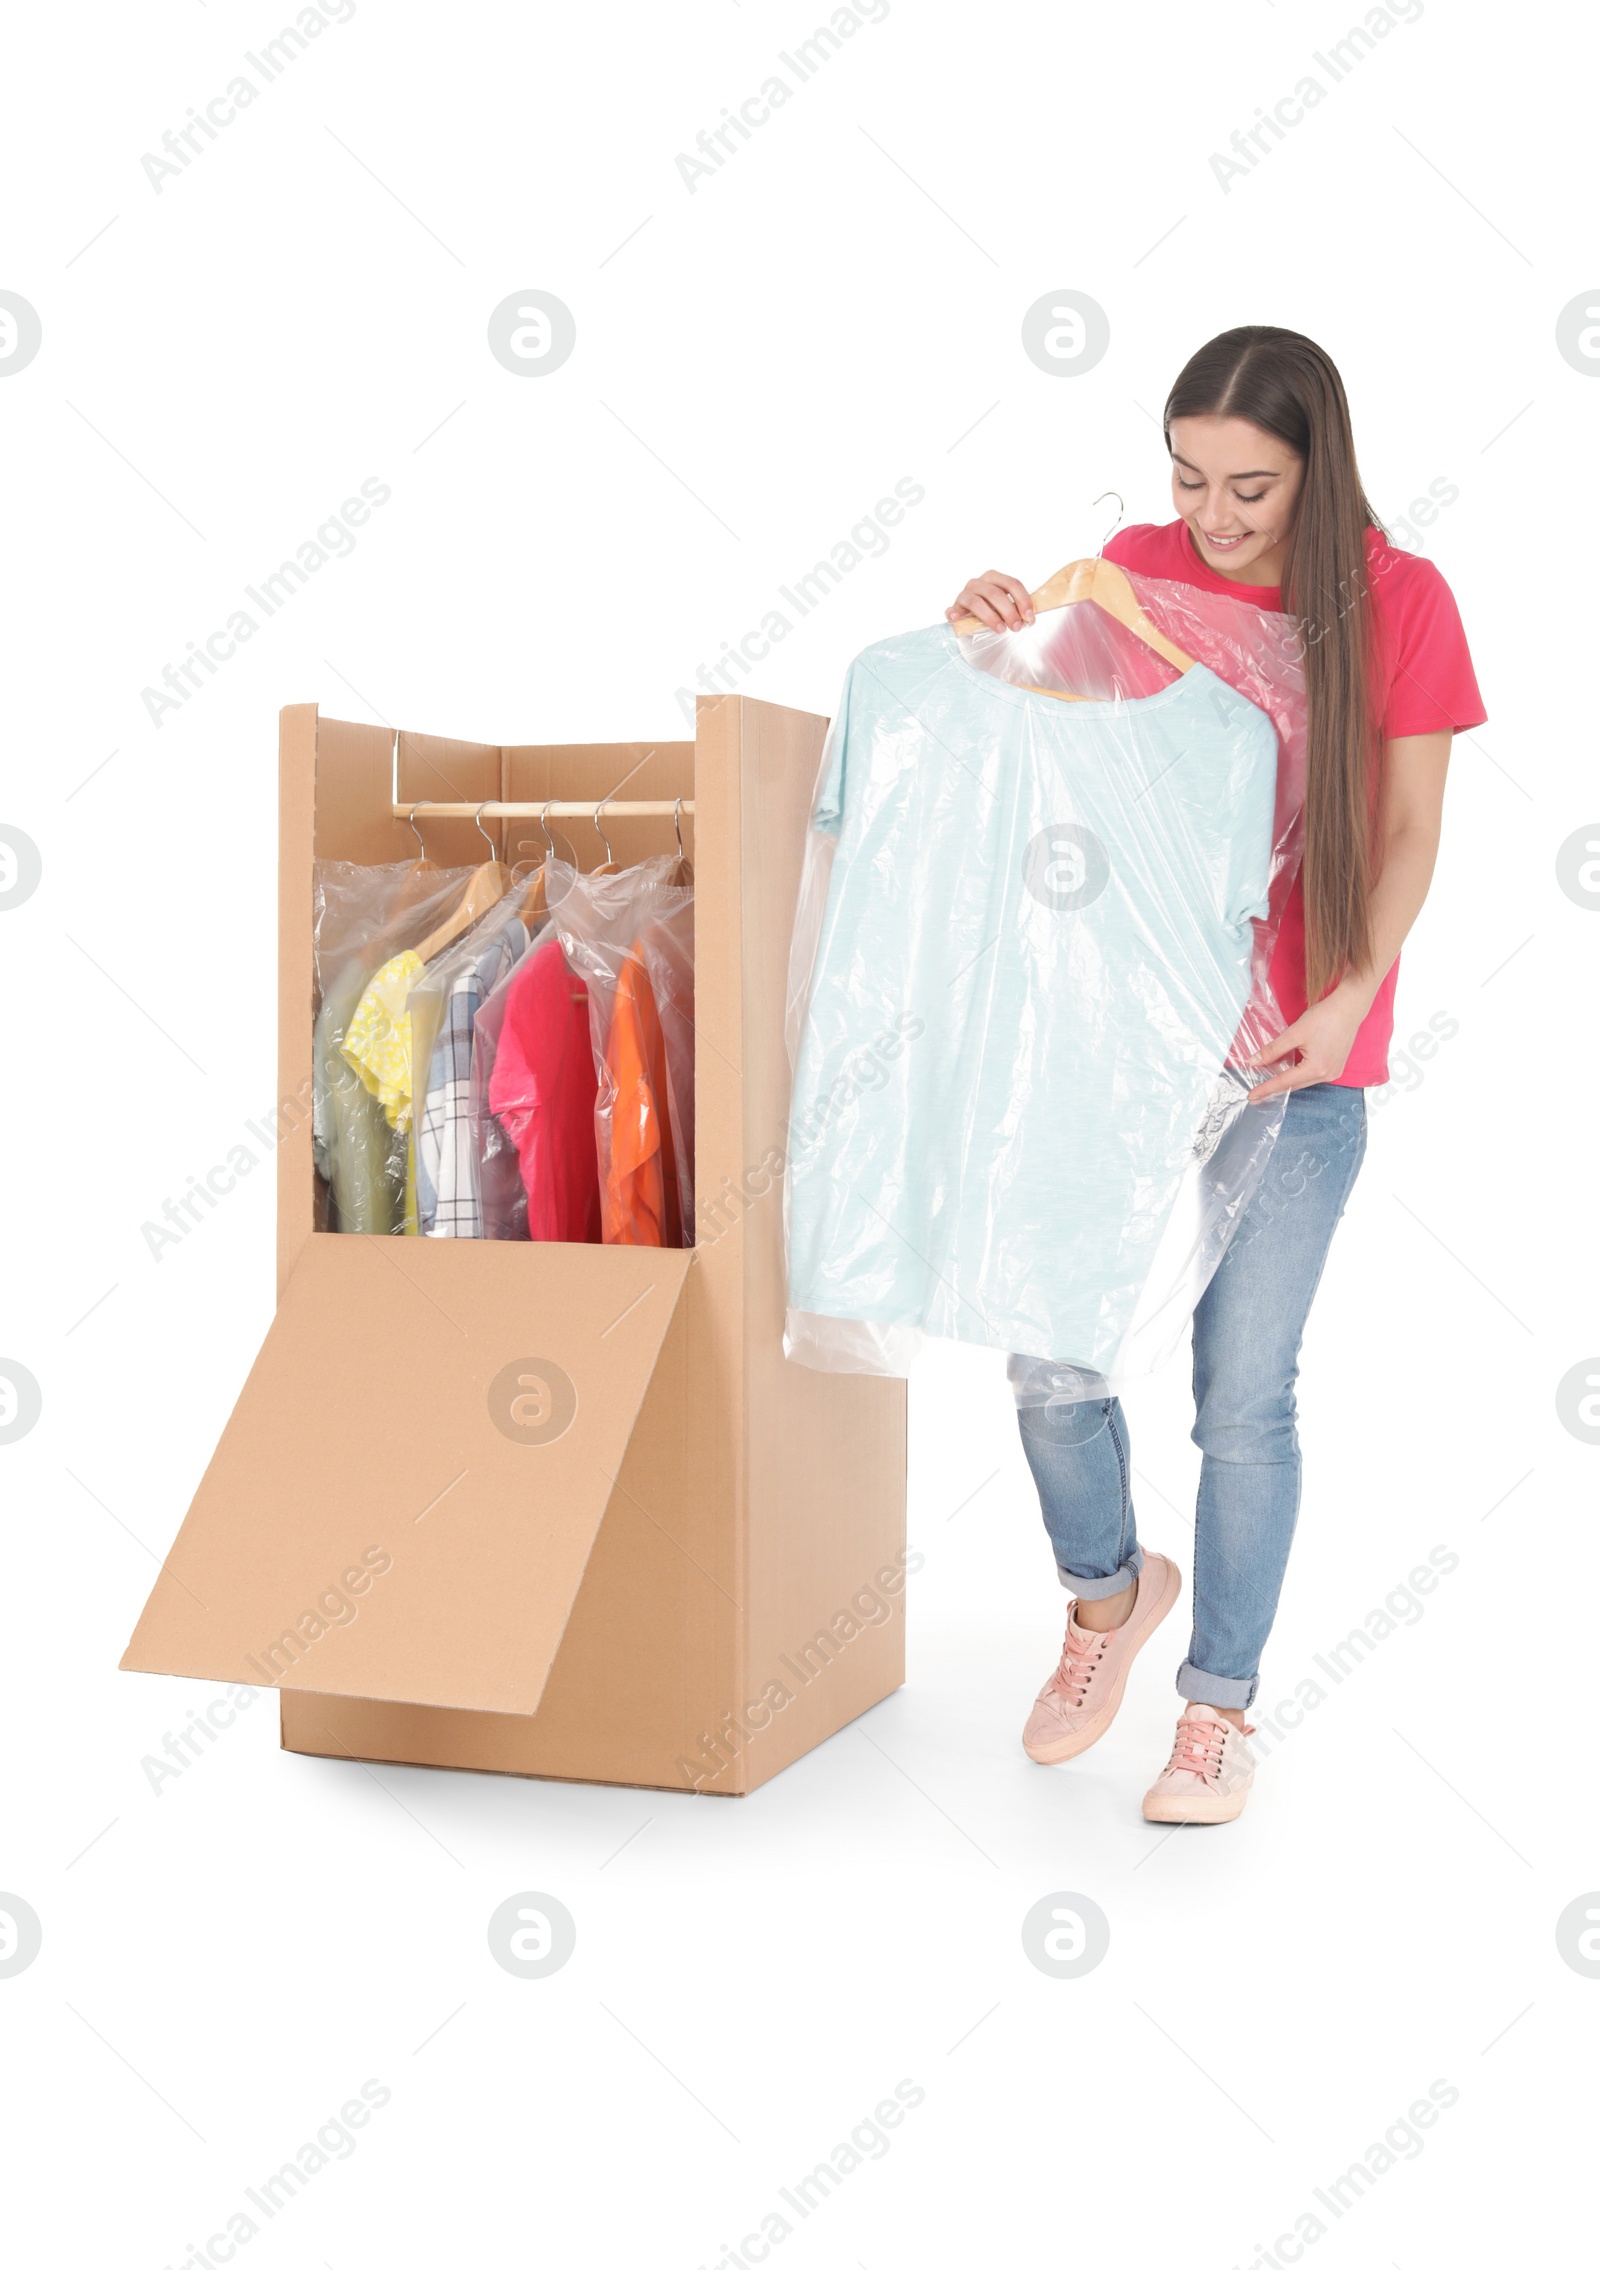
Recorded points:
(1222,1694)
(1104,1587)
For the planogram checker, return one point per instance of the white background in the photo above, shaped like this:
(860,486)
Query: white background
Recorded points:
(757,361)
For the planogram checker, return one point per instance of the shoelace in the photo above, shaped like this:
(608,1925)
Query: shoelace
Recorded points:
(1198,1747)
(1078,1666)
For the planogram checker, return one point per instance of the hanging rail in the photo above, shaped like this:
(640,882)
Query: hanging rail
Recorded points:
(559,808)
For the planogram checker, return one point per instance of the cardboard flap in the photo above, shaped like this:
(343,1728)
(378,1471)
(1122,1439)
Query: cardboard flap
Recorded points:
(404,1500)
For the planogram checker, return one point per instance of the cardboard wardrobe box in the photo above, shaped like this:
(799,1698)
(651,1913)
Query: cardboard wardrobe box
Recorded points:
(542,1508)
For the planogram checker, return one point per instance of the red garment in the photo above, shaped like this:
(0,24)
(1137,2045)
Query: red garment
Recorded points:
(542,1091)
(1427,686)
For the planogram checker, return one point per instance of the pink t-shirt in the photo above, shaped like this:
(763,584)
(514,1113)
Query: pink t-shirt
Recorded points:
(1427,686)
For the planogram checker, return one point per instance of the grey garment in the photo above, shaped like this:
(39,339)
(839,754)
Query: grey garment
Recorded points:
(357,1153)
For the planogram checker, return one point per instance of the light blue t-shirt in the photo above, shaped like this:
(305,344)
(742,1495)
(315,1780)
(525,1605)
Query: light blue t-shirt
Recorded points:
(1033,961)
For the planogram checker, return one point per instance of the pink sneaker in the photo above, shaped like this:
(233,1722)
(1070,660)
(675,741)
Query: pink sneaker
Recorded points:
(1083,1695)
(1208,1776)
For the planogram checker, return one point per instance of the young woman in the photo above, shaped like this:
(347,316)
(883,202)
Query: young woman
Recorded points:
(1270,508)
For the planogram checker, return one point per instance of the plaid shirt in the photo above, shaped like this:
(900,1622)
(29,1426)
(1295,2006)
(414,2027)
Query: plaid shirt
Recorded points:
(447,1163)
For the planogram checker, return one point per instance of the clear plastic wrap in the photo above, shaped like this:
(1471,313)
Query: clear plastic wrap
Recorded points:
(1032,949)
(366,922)
(630,936)
(666,952)
(497,1170)
(533,1091)
(443,1004)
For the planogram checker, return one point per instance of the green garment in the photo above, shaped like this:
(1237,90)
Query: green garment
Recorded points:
(357,1153)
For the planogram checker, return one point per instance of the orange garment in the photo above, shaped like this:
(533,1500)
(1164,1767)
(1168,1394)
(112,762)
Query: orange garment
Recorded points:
(639,1202)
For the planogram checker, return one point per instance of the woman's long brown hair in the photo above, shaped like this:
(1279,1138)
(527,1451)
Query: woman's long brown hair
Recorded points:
(1284,383)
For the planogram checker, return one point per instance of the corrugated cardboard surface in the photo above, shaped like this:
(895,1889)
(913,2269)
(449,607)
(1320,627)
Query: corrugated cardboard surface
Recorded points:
(823,1454)
(387,1515)
(626,1690)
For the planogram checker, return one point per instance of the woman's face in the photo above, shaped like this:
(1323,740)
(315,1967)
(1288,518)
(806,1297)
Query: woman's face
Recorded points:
(1236,486)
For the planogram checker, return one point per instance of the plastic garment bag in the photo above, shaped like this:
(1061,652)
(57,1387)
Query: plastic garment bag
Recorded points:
(1033,945)
(497,1168)
(631,938)
(539,1089)
(365,923)
(442,1005)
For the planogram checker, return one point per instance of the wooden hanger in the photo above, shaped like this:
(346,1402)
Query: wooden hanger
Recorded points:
(535,904)
(1108,586)
(417,884)
(418,879)
(683,873)
(422,865)
(608,865)
(486,889)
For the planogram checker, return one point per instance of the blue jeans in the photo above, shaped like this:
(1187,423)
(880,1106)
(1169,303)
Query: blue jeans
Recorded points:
(1247,1331)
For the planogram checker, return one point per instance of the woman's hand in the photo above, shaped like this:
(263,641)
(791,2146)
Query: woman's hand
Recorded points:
(1324,1036)
(1413,802)
(998,600)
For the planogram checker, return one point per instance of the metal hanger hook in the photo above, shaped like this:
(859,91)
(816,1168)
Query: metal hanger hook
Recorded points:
(411,823)
(601,833)
(477,821)
(550,851)
(677,827)
(1115,525)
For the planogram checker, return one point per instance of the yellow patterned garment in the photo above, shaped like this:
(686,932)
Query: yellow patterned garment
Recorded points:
(377,1040)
